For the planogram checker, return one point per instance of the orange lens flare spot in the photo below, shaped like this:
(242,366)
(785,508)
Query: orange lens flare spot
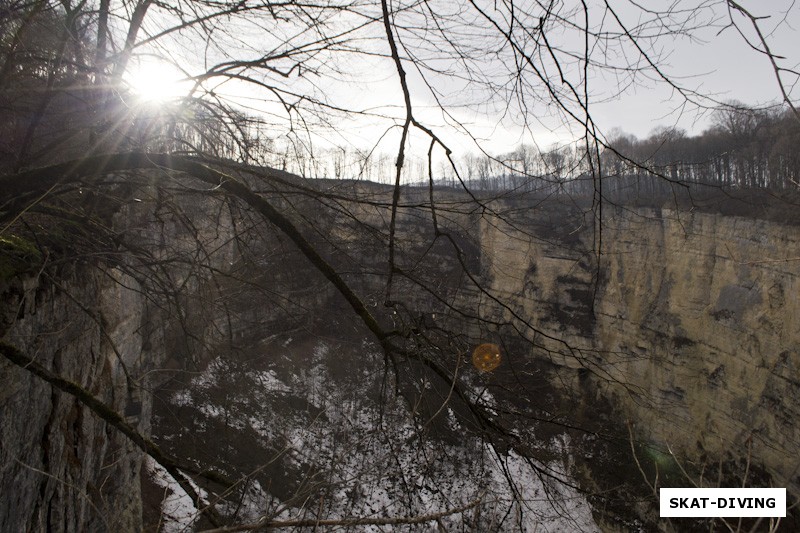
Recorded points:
(486,357)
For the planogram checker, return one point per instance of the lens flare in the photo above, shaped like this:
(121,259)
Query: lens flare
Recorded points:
(486,357)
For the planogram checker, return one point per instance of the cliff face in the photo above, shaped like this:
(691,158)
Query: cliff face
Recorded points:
(111,327)
(63,469)
(687,329)
(690,327)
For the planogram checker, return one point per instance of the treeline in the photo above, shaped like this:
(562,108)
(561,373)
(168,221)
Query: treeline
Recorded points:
(57,105)
(745,148)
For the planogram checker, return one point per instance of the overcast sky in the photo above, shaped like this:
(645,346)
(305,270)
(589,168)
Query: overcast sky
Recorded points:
(724,65)
(714,61)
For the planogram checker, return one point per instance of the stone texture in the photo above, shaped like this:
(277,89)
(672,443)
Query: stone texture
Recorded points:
(691,328)
(62,468)
(688,327)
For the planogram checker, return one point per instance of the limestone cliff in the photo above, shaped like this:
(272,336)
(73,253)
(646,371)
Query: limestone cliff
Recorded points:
(686,328)
(62,468)
(110,322)
(690,327)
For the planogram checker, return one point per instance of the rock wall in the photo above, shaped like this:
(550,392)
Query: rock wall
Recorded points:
(116,325)
(690,325)
(62,468)
(687,327)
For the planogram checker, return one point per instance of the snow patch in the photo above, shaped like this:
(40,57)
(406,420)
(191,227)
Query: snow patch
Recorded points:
(178,512)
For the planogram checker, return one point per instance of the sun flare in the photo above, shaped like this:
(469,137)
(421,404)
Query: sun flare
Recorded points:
(486,357)
(157,82)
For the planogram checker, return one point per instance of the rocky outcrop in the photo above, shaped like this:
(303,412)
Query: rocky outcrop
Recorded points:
(706,307)
(689,326)
(63,469)
(111,325)
(686,328)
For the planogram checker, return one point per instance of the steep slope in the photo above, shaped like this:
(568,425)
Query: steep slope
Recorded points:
(689,329)
(686,330)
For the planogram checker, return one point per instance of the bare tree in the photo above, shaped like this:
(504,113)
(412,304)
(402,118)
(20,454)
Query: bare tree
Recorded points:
(270,85)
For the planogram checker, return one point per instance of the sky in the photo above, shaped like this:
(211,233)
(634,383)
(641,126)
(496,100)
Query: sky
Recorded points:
(716,61)
(714,58)
(711,58)
(722,65)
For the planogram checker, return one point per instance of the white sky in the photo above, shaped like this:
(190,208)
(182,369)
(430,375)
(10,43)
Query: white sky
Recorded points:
(715,63)
(724,66)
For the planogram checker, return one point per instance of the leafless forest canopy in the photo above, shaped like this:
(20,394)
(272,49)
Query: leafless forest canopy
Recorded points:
(203,204)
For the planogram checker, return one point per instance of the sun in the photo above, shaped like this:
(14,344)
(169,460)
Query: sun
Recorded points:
(157,82)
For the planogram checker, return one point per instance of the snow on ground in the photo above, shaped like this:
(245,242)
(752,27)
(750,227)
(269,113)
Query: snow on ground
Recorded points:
(541,502)
(269,381)
(178,511)
(369,455)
